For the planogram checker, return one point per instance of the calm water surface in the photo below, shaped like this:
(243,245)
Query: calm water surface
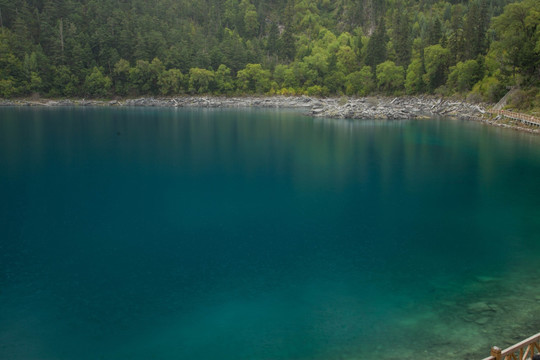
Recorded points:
(252,234)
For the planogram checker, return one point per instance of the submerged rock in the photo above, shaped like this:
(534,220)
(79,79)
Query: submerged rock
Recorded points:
(479,307)
(482,320)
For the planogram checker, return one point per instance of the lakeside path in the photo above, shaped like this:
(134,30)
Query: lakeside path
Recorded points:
(385,108)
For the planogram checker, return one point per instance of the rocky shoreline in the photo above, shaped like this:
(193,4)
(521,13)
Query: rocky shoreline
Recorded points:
(399,108)
(349,108)
(384,108)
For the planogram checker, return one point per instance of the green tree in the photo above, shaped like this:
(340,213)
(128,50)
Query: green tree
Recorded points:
(435,32)
(464,75)
(436,59)
(233,50)
(360,82)
(279,74)
(287,48)
(376,47)
(296,75)
(346,60)
(11,69)
(475,28)
(251,22)
(401,37)
(414,82)
(64,82)
(139,77)
(201,81)
(224,81)
(518,38)
(456,42)
(254,79)
(335,82)
(97,84)
(317,65)
(150,44)
(121,77)
(171,82)
(390,77)
(144,76)
(273,37)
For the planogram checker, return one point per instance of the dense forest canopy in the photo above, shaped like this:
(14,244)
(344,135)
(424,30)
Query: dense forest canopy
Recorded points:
(317,47)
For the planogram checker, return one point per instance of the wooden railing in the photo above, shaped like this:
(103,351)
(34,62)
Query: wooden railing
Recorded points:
(528,119)
(521,351)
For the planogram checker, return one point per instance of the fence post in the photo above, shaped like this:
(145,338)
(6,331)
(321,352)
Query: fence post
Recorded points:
(496,352)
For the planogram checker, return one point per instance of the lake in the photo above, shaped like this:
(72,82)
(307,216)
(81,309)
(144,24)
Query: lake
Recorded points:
(144,233)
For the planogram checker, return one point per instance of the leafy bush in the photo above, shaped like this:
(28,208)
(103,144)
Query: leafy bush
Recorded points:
(97,84)
(390,77)
(360,82)
(489,89)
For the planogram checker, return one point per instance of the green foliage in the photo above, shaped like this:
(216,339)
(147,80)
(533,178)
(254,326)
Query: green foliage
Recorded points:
(346,60)
(524,99)
(251,23)
(317,90)
(518,30)
(35,84)
(286,44)
(121,77)
(475,28)
(376,47)
(171,82)
(436,59)
(201,81)
(464,75)
(390,77)
(11,68)
(254,79)
(224,80)
(64,83)
(335,82)
(360,82)
(414,82)
(7,88)
(103,47)
(489,89)
(139,76)
(97,84)
(273,36)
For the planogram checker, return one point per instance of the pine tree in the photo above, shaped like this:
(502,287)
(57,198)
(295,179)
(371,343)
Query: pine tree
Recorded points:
(402,38)
(435,32)
(376,46)
(287,48)
(273,36)
(475,29)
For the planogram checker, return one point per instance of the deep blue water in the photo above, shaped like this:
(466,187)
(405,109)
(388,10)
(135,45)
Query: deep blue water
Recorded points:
(254,234)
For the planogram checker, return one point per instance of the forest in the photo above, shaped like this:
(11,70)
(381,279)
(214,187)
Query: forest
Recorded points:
(122,48)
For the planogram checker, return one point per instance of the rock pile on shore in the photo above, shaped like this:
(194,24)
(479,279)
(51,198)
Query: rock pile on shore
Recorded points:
(397,108)
(227,102)
(349,108)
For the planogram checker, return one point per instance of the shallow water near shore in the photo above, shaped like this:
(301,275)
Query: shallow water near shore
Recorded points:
(263,234)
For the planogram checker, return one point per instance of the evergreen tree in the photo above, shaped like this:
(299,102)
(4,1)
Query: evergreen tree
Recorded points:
(402,38)
(65,48)
(376,46)
(475,29)
(455,39)
(435,32)
(287,48)
(273,36)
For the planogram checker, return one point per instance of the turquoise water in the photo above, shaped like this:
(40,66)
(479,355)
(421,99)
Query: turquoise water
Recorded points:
(254,234)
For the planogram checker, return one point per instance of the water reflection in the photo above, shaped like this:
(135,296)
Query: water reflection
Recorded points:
(224,233)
